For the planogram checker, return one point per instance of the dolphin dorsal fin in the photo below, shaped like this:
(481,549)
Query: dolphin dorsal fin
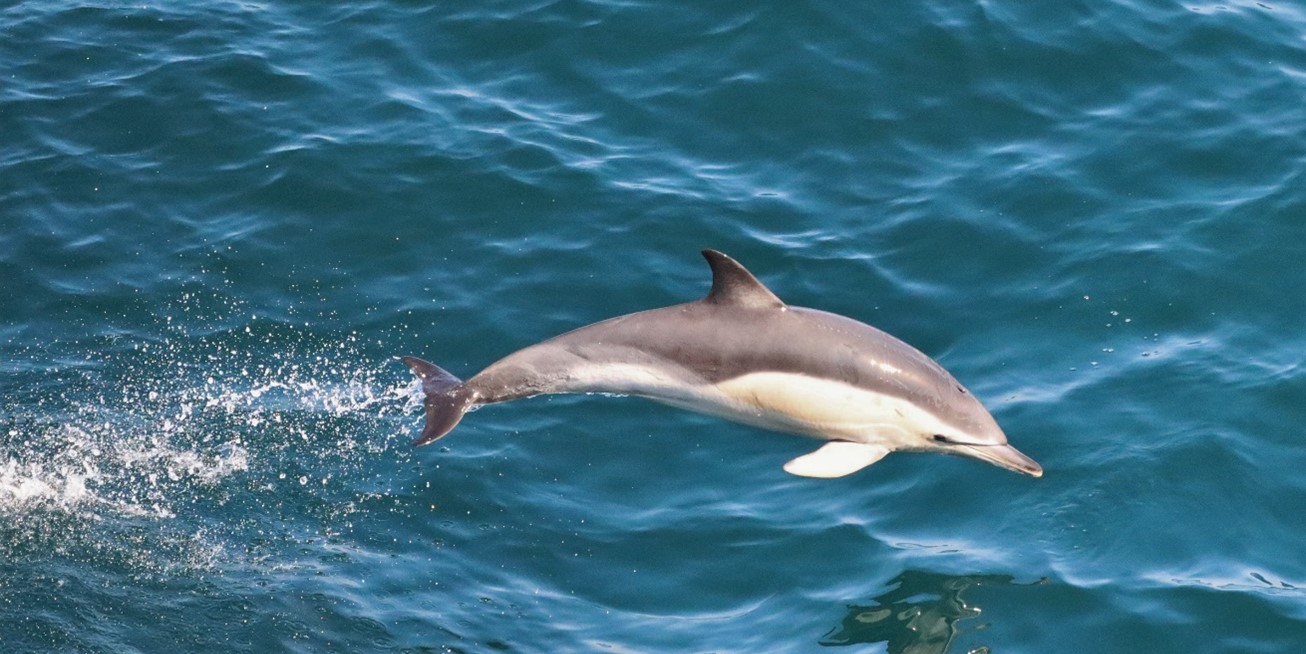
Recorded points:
(733,285)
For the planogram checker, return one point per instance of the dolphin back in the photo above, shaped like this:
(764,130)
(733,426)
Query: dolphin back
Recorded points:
(447,399)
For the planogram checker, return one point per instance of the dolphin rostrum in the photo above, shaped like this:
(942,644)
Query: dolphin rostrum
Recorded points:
(742,354)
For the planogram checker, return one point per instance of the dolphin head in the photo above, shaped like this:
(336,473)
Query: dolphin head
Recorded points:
(969,430)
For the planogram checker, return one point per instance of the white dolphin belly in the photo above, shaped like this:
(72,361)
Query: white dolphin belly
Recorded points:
(779,401)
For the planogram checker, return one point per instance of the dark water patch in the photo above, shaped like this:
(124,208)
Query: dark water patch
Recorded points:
(921,612)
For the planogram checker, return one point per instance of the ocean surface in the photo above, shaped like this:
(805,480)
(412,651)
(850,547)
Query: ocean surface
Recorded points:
(220,222)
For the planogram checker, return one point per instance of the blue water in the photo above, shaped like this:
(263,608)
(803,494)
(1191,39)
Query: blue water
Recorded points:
(220,221)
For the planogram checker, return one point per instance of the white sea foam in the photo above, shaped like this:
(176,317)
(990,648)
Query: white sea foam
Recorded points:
(27,483)
(132,467)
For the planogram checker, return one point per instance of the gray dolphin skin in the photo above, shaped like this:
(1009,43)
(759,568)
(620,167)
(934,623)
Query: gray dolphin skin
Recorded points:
(742,354)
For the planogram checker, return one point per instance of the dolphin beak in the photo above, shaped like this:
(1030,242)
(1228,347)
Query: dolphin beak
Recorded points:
(1004,456)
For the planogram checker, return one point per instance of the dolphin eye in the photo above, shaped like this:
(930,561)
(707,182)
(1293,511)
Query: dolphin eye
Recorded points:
(940,438)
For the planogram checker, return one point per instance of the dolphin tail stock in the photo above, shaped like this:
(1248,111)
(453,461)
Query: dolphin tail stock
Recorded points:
(447,399)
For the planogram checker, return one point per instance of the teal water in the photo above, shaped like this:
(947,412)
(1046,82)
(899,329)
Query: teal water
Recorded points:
(220,221)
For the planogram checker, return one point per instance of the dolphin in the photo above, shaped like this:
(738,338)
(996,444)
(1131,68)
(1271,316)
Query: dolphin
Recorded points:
(742,354)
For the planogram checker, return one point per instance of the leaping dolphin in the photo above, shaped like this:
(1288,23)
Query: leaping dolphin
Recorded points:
(742,354)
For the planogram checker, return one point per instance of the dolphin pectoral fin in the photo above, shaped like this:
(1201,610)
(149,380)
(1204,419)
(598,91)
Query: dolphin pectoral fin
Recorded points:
(836,459)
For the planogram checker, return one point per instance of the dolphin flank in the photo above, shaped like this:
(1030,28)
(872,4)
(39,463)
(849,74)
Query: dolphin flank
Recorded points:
(742,354)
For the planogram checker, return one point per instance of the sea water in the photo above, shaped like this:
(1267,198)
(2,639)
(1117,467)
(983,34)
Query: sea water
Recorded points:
(221,221)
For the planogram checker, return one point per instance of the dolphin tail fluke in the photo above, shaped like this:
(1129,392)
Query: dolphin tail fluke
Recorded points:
(447,399)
